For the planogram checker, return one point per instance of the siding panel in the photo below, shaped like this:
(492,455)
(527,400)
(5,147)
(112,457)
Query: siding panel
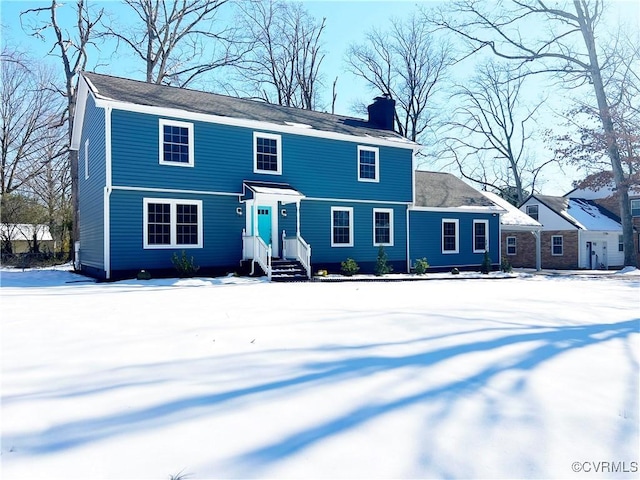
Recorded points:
(91,190)
(426,239)
(316,230)
(222,247)
(224,158)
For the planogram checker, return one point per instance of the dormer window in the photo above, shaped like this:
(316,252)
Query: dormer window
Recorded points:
(368,164)
(267,153)
(176,143)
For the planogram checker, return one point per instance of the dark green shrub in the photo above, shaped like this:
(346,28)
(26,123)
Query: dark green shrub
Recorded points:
(382,265)
(349,267)
(186,267)
(505,265)
(421,266)
(143,275)
(486,263)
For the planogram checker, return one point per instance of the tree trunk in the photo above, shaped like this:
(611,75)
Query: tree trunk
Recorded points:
(613,151)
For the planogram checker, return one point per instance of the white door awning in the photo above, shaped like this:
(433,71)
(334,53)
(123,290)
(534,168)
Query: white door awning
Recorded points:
(282,192)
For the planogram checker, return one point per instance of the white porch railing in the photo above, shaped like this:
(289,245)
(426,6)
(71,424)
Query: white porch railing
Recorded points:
(255,249)
(297,248)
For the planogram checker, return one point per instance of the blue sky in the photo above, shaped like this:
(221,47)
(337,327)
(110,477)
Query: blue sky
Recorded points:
(347,22)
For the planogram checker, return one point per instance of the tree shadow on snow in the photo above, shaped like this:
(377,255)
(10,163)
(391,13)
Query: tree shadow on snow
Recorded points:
(537,347)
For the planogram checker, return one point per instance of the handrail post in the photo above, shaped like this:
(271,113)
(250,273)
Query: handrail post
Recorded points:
(284,246)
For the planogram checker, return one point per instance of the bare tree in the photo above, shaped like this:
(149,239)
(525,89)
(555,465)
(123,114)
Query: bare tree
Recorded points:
(179,40)
(73,50)
(407,63)
(52,189)
(284,64)
(492,132)
(29,112)
(565,43)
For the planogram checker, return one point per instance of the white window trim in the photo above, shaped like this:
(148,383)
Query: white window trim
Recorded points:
(351,226)
(515,245)
(561,246)
(272,136)
(86,159)
(391,236)
(173,218)
(376,150)
(457,223)
(175,123)
(486,236)
(631,202)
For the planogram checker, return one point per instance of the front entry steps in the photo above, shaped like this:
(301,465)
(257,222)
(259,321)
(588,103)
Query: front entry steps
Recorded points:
(288,271)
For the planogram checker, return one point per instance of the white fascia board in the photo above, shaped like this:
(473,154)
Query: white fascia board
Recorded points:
(521,228)
(484,210)
(254,124)
(78,116)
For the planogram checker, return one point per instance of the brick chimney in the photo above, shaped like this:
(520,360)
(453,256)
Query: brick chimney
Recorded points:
(382,112)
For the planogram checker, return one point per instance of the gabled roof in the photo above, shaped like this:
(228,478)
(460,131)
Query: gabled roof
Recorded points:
(444,190)
(513,219)
(581,213)
(134,92)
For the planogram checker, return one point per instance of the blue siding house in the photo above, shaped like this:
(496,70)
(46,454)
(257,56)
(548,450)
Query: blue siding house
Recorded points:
(452,224)
(233,181)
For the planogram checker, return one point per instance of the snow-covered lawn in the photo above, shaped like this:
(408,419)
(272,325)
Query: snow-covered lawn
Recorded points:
(239,378)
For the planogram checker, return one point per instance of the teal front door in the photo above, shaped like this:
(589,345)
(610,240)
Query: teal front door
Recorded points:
(264,224)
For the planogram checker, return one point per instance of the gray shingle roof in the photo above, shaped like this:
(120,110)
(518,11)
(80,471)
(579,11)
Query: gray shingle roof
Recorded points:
(443,190)
(142,93)
(581,213)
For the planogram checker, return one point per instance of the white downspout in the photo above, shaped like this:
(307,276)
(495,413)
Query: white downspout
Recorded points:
(408,242)
(298,218)
(537,233)
(107,193)
(580,252)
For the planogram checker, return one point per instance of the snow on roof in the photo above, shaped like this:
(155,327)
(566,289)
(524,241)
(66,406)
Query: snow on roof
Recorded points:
(25,231)
(277,191)
(513,217)
(589,216)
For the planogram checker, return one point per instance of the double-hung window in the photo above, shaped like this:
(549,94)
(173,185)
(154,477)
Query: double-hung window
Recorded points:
(382,226)
(341,226)
(512,246)
(450,241)
(480,236)
(532,211)
(267,153)
(556,245)
(620,243)
(170,223)
(635,207)
(176,143)
(368,164)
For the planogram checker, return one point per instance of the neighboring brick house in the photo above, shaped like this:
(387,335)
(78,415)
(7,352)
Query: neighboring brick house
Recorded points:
(576,233)
(608,198)
(520,235)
